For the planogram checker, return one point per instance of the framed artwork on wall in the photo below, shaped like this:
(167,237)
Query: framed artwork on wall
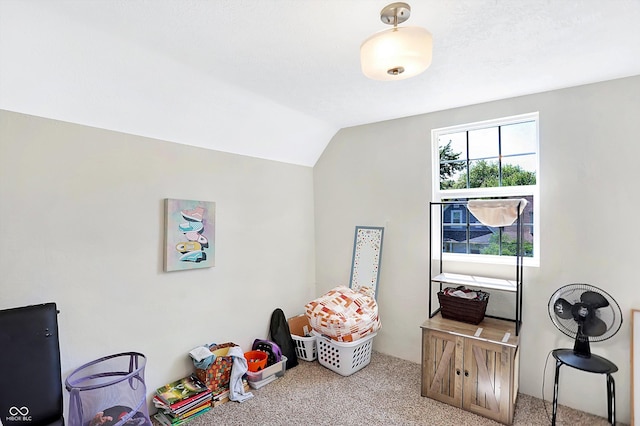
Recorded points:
(367,254)
(189,234)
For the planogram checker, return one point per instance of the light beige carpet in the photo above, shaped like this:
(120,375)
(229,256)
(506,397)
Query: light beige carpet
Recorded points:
(386,392)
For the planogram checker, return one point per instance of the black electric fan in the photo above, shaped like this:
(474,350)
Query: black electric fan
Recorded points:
(586,313)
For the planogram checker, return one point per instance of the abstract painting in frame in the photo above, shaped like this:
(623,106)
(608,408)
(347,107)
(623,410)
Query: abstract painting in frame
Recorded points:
(189,234)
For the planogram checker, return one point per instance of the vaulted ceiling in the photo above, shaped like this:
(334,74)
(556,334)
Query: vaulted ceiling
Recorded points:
(276,79)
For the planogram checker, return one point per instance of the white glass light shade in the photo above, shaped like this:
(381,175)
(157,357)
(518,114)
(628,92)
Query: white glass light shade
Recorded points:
(386,53)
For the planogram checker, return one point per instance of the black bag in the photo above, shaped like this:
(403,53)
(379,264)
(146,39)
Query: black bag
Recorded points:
(280,334)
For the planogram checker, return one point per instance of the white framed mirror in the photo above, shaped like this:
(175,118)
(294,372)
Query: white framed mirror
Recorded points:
(367,255)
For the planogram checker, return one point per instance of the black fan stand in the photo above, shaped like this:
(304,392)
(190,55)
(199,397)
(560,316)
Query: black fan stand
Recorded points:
(581,358)
(585,311)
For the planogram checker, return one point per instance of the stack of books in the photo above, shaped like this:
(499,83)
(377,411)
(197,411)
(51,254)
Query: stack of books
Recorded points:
(181,401)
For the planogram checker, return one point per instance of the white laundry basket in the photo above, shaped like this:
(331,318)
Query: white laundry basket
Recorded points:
(305,347)
(303,339)
(345,358)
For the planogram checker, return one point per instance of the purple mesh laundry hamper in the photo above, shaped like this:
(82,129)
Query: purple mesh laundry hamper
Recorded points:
(109,391)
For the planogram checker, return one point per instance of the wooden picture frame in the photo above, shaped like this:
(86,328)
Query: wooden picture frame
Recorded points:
(635,366)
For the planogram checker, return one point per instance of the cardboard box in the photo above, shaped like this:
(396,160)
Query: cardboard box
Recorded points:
(299,325)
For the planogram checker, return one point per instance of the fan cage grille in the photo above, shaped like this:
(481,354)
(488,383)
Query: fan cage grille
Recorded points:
(611,314)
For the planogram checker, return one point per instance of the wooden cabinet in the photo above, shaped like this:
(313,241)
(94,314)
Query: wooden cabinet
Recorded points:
(474,367)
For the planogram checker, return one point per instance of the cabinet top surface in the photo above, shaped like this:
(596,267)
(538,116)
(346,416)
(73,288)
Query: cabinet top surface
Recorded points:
(490,329)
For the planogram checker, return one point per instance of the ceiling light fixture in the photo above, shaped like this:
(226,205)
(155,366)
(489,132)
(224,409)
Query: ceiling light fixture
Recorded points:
(398,53)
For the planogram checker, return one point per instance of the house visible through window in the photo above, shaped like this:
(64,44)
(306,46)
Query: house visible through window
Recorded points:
(492,159)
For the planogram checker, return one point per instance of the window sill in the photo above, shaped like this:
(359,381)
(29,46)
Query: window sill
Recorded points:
(531,262)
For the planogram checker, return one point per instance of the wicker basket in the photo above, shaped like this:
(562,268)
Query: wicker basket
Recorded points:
(465,310)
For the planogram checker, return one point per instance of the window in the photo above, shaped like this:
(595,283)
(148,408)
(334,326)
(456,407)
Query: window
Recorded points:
(456,216)
(491,159)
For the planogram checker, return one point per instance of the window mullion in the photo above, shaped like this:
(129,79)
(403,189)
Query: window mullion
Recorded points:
(468,227)
(468,162)
(499,155)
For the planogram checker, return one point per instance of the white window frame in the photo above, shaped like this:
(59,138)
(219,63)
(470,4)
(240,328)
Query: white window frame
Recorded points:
(504,191)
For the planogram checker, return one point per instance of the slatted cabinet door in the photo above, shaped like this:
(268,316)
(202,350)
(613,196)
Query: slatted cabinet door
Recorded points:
(442,357)
(474,367)
(487,379)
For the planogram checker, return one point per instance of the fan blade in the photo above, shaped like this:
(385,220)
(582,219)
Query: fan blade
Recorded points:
(562,308)
(594,327)
(595,300)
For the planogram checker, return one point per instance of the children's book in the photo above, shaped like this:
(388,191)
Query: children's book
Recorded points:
(181,390)
(192,412)
(184,406)
(166,420)
(188,404)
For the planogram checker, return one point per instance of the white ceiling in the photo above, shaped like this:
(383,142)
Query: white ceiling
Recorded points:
(277,79)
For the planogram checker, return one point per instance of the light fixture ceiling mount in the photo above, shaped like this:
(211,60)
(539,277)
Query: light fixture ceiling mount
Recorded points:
(395,13)
(398,53)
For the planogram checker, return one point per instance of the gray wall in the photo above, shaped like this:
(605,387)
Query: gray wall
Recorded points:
(380,175)
(81,224)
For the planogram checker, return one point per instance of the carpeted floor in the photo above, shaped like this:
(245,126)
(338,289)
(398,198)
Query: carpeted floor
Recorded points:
(386,392)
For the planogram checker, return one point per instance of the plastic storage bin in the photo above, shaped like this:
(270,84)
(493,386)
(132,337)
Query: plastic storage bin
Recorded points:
(260,378)
(345,358)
